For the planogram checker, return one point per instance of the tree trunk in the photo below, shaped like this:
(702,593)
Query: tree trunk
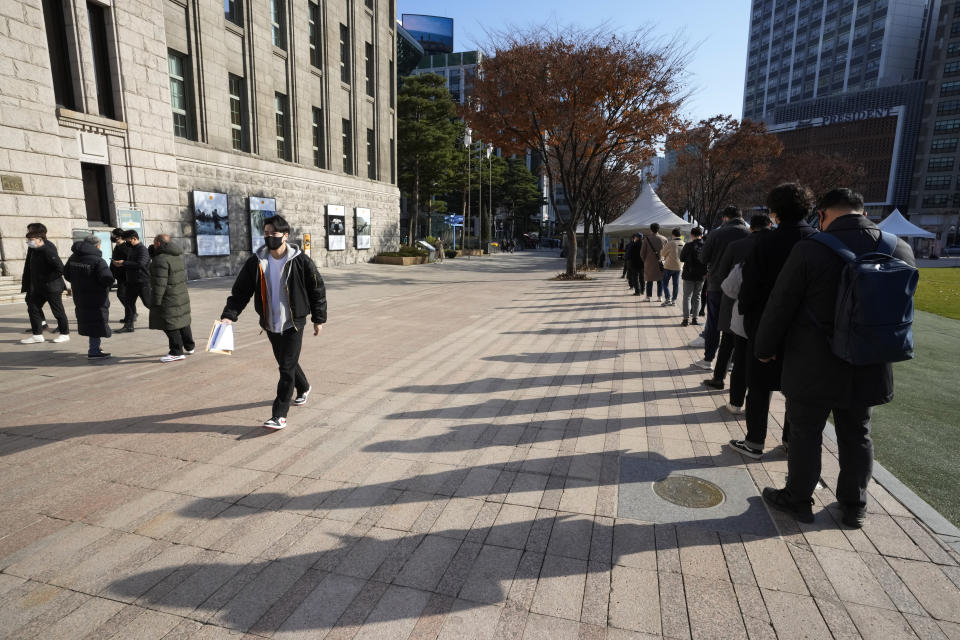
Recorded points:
(586,244)
(415,215)
(571,251)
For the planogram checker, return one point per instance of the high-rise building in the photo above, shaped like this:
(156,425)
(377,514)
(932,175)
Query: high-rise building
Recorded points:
(935,196)
(805,49)
(458,69)
(192,118)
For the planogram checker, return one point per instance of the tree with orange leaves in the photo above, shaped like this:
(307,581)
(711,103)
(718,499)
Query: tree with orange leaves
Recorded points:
(716,159)
(580,99)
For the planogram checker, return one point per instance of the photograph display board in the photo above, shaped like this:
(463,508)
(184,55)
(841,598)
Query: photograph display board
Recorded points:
(362,226)
(336,228)
(212,222)
(260,210)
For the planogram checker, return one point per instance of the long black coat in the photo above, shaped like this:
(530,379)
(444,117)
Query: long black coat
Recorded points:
(735,253)
(90,278)
(169,298)
(716,243)
(808,284)
(43,271)
(136,265)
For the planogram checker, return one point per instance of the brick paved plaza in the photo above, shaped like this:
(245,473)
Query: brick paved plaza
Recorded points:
(474,462)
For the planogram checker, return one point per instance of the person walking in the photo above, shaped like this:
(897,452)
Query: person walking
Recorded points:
(287,287)
(136,275)
(440,252)
(671,267)
(733,228)
(634,264)
(692,275)
(650,248)
(43,279)
(90,279)
(169,298)
(25,277)
(789,205)
(797,322)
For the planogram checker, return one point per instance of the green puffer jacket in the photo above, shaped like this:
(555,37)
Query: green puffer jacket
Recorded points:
(169,300)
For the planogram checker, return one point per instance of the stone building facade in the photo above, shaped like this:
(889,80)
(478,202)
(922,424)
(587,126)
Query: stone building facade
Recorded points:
(108,106)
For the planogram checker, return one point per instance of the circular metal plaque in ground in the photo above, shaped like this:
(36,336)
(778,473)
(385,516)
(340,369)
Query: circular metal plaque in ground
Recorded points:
(689,491)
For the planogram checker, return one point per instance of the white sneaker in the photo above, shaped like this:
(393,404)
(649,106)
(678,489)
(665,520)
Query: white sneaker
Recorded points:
(61,338)
(32,340)
(704,364)
(697,342)
(647,299)
(189,352)
(734,409)
(172,358)
(275,423)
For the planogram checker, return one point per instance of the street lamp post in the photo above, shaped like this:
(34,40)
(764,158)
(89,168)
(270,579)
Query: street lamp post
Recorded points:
(468,142)
(490,200)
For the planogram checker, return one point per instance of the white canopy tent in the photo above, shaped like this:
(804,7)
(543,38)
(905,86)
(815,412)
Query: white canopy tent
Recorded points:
(645,210)
(896,224)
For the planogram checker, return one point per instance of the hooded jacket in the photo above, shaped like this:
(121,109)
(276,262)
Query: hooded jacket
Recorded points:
(169,298)
(306,293)
(43,270)
(693,269)
(90,278)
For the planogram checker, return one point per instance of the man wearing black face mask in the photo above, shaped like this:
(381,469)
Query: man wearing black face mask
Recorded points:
(288,287)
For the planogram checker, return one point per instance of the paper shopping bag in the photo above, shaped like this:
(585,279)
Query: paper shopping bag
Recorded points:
(221,338)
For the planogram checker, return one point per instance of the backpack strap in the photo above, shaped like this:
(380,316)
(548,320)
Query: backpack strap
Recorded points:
(834,243)
(887,244)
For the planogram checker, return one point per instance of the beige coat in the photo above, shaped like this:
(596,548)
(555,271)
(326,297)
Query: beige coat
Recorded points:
(650,247)
(671,254)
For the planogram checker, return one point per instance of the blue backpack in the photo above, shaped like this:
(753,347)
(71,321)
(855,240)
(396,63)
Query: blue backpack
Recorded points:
(873,321)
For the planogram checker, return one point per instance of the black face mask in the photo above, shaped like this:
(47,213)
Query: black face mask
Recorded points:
(273,243)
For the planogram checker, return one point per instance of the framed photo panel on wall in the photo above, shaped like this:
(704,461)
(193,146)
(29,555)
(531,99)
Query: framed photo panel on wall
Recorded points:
(212,221)
(336,228)
(362,226)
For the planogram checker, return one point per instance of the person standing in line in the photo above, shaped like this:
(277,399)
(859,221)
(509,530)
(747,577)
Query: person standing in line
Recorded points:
(25,278)
(287,287)
(650,248)
(44,281)
(733,228)
(671,267)
(634,264)
(169,298)
(789,204)
(90,278)
(692,276)
(136,274)
(797,321)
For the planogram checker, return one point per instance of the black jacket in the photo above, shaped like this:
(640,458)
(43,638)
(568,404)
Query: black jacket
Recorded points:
(90,278)
(42,270)
(306,293)
(808,285)
(735,253)
(120,252)
(136,266)
(632,256)
(716,243)
(693,268)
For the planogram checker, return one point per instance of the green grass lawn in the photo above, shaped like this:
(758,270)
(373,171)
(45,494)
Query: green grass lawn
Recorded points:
(939,292)
(917,435)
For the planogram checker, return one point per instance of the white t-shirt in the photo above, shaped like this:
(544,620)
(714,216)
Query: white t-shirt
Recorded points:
(279,304)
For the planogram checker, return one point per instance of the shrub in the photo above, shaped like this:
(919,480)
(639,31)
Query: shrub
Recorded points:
(450,254)
(405,251)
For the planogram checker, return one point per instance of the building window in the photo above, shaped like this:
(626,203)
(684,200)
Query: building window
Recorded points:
(98,18)
(62,70)
(948,108)
(951,68)
(370,77)
(347,147)
(953,49)
(940,165)
(283,126)
(950,89)
(95,192)
(179,98)
(955,29)
(316,42)
(937,182)
(278,24)
(393,162)
(238,112)
(318,139)
(369,4)
(947,125)
(393,91)
(944,145)
(371,155)
(344,54)
(233,11)
(939,200)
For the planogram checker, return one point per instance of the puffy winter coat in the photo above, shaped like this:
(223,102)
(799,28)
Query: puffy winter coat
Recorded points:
(716,243)
(90,277)
(169,299)
(43,270)
(671,254)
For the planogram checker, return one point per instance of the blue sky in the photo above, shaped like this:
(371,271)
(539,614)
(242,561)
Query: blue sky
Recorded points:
(717,28)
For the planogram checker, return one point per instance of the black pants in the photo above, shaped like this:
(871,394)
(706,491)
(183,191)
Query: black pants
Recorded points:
(633,279)
(179,340)
(724,353)
(738,377)
(35,302)
(650,288)
(286,349)
(131,294)
(853,443)
(711,332)
(122,297)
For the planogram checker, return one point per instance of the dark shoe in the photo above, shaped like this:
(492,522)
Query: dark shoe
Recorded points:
(694,321)
(777,499)
(750,452)
(301,399)
(275,423)
(100,355)
(125,330)
(854,517)
(685,323)
(713,384)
